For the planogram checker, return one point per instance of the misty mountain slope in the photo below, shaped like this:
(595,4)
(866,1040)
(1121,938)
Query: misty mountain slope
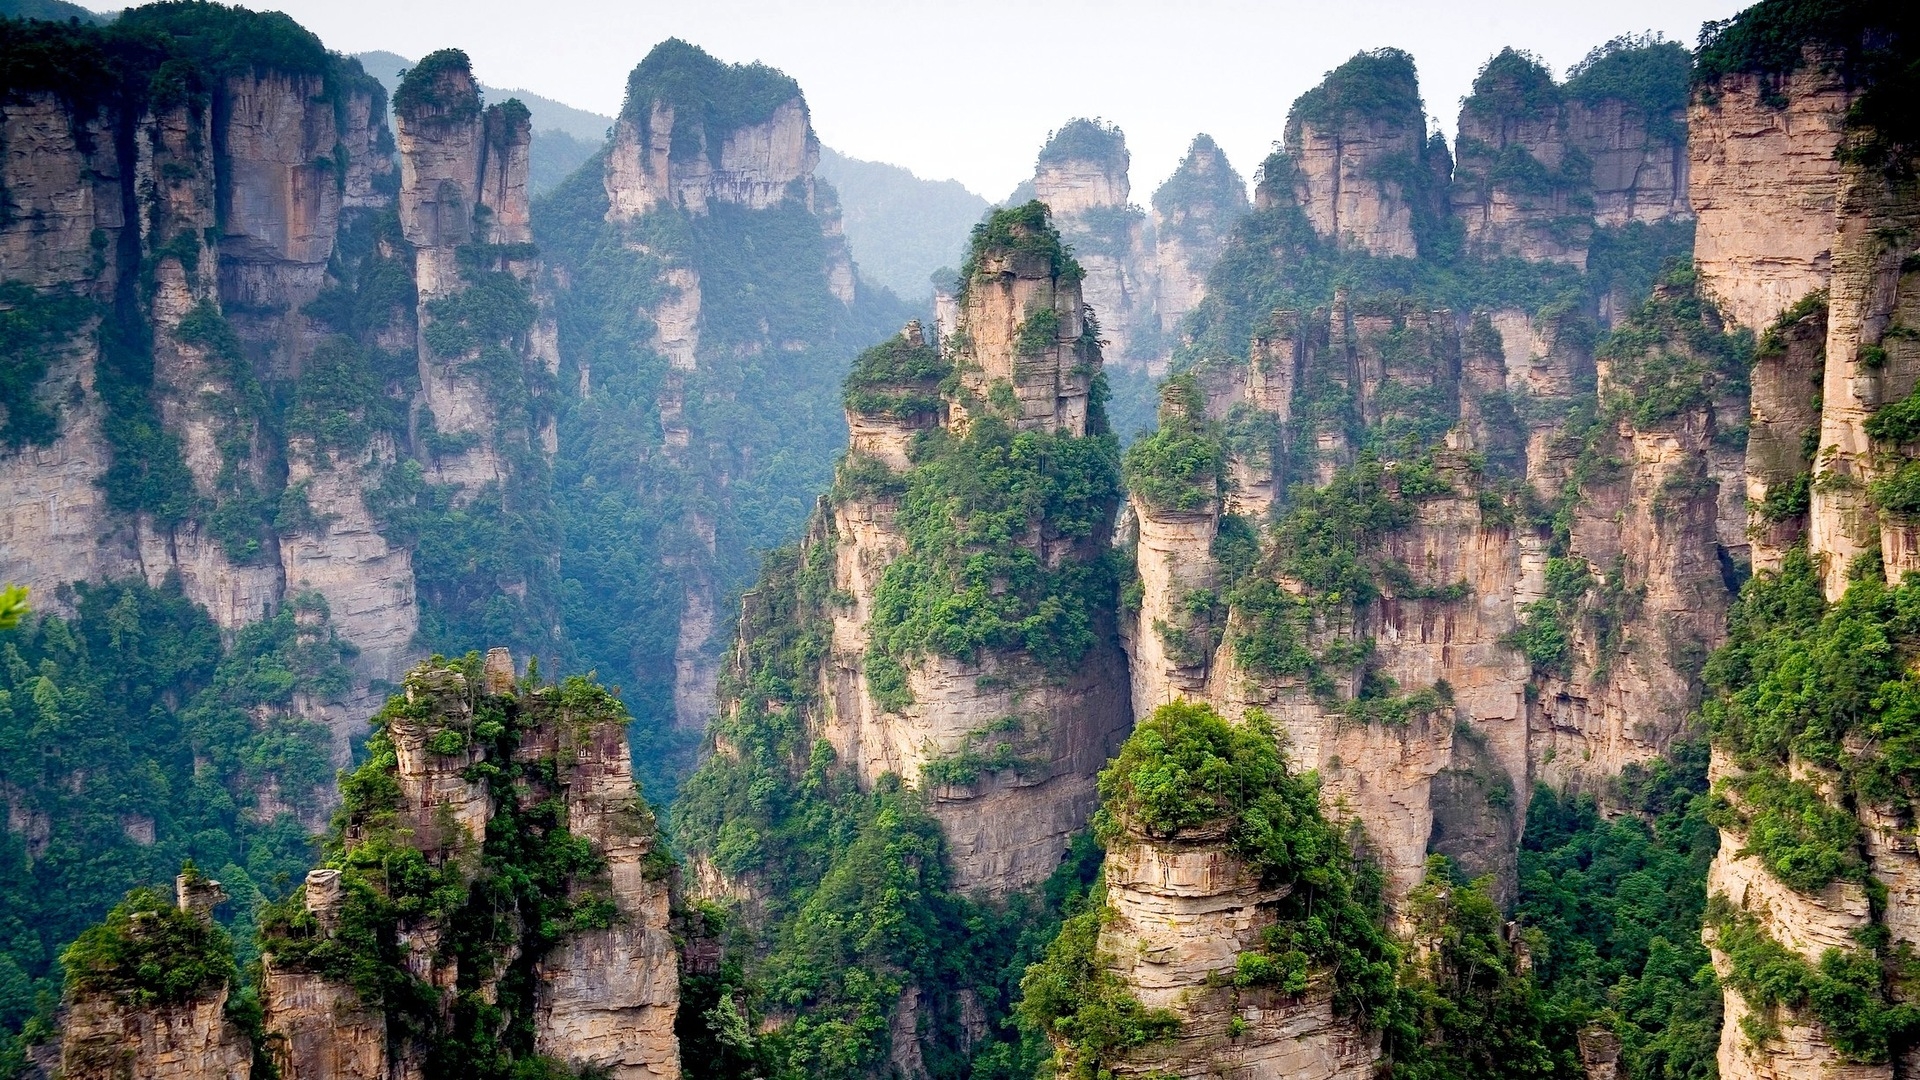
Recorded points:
(902,228)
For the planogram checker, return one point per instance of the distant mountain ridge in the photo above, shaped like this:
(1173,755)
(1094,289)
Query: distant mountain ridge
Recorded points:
(902,227)
(52,11)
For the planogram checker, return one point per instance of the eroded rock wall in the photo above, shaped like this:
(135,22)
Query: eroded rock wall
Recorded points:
(603,996)
(1765,188)
(1182,912)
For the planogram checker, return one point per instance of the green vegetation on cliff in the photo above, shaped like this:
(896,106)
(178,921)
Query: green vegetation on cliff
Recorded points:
(1179,466)
(1803,681)
(1647,72)
(148,951)
(499,909)
(1874,46)
(1082,139)
(1186,768)
(132,741)
(970,581)
(707,98)
(1613,909)
(1377,85)
(1467,1007)
(858,902)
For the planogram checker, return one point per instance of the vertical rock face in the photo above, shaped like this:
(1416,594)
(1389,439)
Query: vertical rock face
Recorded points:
(1356,159)
(1193,213)
(1476,720)
(1023,326)
(1519,186)
(1819,257)
(1023,358)
(194,1041)
(1626,111)
(463,181)
(1783,432)
(1872,363)
(1081,175)
(1639,160)
(1182,913)
(1765,187)
(203,228)
(672,147)
(600,991)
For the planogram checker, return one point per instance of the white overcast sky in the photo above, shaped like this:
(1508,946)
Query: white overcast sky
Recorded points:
(970,90)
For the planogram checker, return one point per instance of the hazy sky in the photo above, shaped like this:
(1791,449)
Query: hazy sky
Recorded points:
(970,90)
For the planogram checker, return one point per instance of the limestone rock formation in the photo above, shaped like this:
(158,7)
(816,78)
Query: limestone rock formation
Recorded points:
(1519,185)
(1081,175)
(202,231)
(1765,187)
(587,964)
(1356,159)
(115,1024)
(1193,213)
(1626,112)
(1023,357)
(1476,720)
(1819,257)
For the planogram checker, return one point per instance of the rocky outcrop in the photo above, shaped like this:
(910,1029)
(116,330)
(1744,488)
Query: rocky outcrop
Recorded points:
(1006,824)
(1081,175)
(111,1030)
(599,992)
(195,1041)
(665,153)
(1475,721)
(1519,186)
(1765,187)
(1193,214)
(677,154)
(1182,913)
(463,172)
(1872,362)
(1356,158)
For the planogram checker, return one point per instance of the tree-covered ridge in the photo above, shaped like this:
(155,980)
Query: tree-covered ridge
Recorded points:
(131,741)
(167,53)
(972,580)
(1023,231)
(1201,200)
(1082,139)
(150,951)
(708,98)
(1195,183)
(1514,84)
(1645,71)
(1180,465)
(900,379)
(420,90)
(1376,85)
